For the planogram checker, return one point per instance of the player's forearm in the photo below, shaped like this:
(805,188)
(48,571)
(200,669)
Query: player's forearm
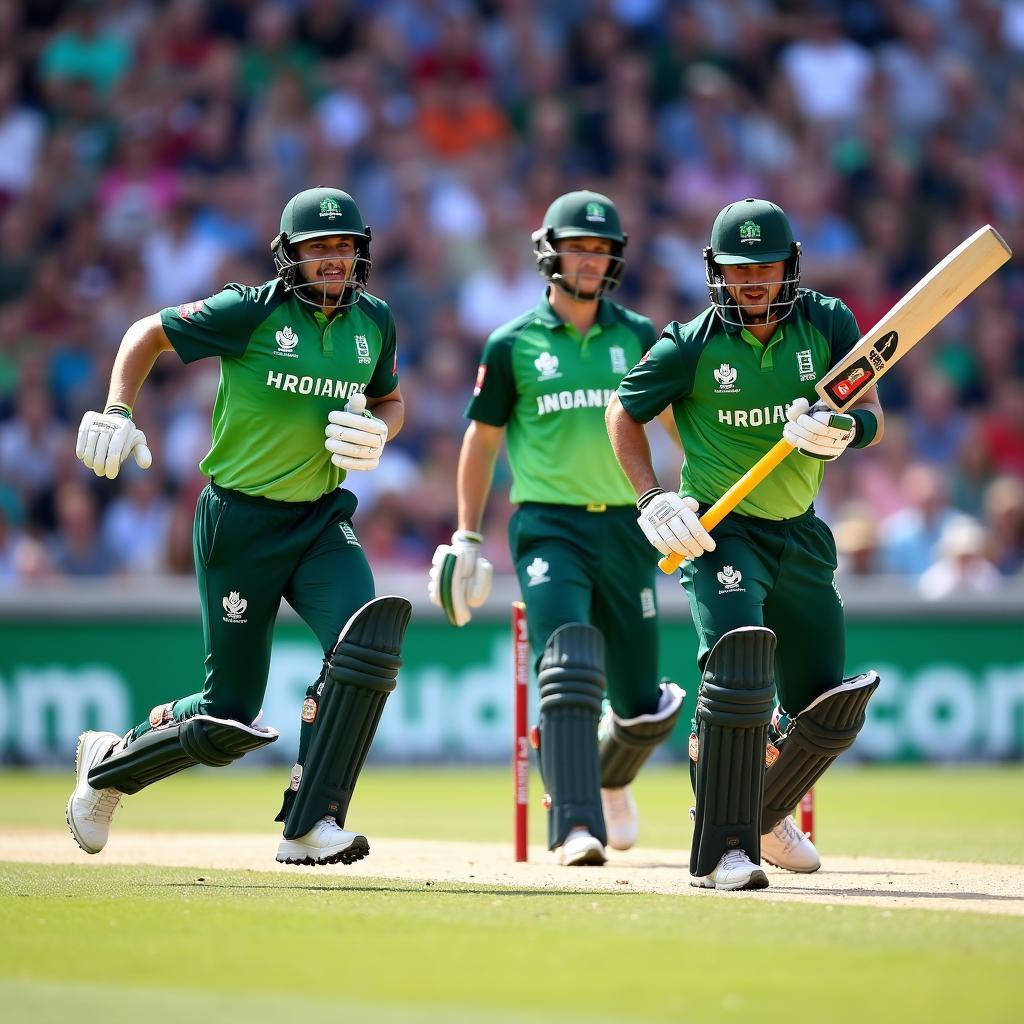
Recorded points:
(476,472)
(392,412)
(629,442)
(870,401)
(141,345)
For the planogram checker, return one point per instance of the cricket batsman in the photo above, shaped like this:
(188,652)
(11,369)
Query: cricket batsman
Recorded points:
(585,572)
(300,358)
(762,591)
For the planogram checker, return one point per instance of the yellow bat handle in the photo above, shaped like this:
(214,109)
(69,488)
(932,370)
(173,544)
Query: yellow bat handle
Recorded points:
(732,497)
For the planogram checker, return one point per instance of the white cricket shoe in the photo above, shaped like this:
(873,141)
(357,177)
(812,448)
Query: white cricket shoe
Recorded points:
(580,849)
(89,810)
(735,871)
(621,817)
(787,847)
(325,843)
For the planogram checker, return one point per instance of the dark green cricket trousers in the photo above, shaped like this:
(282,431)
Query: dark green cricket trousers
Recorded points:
(595,567)
(250,553)
(779,574)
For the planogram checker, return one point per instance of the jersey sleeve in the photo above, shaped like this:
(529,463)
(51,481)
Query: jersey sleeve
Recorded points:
(845,332)
(494,394)
(218,326)
(385,373)
(662,377)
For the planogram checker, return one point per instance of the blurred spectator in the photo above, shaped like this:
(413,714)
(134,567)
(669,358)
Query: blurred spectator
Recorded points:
(78,549)
(1004,517)
(29,444)
(962,568)
(856,536)
(21,137)
(137,522)
(84,48)
(911,536)
(179,259)
(937,427)
(829,74)
(498,292)
(1004,428)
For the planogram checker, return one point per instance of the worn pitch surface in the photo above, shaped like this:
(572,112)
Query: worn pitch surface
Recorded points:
(894,884)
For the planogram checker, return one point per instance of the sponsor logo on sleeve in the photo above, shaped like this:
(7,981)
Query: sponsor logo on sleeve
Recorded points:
(187,309)
(481,375)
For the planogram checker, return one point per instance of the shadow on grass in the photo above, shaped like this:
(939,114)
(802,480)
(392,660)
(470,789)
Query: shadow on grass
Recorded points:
(421,887)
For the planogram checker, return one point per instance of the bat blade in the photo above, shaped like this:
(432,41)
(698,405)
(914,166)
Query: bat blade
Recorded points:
(934,297)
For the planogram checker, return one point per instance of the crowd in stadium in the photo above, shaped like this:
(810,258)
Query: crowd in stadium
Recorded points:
(147,148)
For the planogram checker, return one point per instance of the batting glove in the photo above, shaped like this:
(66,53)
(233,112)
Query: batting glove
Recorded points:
(460,577)
(355,438)
(816,431)
(670,523)
(106,439)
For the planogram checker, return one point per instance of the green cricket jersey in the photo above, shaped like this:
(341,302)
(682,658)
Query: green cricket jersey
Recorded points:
(729,395)
(550,387)
(283,367)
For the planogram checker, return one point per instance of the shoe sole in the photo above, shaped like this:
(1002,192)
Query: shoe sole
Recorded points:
(355,851)
(786,867)
(67,811)
(587,859)
(757,880)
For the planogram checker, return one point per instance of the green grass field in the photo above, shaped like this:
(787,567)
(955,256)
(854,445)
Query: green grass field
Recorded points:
(140,943)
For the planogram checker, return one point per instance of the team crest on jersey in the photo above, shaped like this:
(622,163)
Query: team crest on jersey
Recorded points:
(805,365)
(726,375)
(618,357)
(286,340)
(537,570)
(547,366)
(235,605)
(362,348)
(730,579)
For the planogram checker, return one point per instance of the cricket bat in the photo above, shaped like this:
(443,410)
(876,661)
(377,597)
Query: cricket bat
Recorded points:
(934,297)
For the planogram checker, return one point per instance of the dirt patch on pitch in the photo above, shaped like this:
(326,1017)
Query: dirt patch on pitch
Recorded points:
(842,881)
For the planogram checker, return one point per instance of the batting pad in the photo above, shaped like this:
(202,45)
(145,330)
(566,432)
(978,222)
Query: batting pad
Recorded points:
(734,707)
(816,737)
(625,744)
(571,679)
(363,670)
(172,748)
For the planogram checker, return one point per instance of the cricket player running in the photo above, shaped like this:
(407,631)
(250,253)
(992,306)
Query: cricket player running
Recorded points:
(761,591)
(300,356)
(584,569)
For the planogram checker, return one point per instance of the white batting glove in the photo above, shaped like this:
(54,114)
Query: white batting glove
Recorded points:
(355,439)
(671,524)
(460,577)
(816,431)
(106,439)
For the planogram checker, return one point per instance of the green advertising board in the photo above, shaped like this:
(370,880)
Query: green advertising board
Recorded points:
(952,684)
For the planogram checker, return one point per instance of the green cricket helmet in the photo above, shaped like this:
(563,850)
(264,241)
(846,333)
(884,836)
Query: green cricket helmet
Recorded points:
(320,213)
(582,214)
(752,231)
